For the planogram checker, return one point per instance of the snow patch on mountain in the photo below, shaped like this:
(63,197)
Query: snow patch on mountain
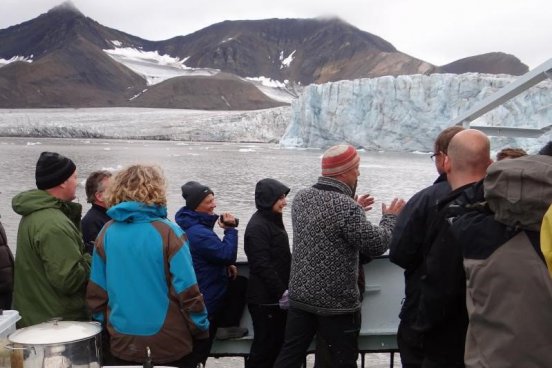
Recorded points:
(276,90)
(286,61)
(267,82)
(156,68)
(4,62)
(152,66)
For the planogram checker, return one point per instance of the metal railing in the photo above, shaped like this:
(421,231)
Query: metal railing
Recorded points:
(506,93)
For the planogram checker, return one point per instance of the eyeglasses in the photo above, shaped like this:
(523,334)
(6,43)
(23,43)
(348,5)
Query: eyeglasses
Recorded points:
(432,157)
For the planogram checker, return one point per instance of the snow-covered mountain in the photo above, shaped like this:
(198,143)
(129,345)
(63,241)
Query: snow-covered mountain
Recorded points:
(406,113)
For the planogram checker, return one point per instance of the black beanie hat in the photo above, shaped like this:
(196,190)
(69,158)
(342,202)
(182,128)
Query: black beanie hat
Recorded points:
(52,169)
(194,192)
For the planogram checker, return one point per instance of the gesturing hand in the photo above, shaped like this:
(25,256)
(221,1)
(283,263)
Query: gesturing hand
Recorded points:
(396,206)
(366,201)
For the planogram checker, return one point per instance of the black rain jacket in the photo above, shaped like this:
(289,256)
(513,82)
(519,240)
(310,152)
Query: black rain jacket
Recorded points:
(267,247)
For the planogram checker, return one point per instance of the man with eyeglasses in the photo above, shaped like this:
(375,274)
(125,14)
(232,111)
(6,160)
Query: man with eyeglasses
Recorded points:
(407,244)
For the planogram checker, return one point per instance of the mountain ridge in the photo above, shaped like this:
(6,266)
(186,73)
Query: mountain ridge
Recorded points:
(296,51)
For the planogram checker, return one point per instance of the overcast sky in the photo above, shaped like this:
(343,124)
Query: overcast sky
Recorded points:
(437,31)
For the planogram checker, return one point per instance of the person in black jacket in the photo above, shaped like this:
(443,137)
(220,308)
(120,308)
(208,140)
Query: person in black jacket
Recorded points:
(6,271)
(268,253)
(96,217)
(442,316)
(407,244)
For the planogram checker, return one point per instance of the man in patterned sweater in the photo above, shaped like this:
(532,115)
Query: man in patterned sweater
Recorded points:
(330,229)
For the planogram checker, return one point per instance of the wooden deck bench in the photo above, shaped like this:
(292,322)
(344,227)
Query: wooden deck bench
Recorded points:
(380,310)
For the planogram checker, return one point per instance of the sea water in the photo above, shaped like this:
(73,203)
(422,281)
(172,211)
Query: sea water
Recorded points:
(231,170)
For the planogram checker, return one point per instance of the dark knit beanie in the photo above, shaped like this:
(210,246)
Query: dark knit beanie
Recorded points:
(194,192)
(52,169)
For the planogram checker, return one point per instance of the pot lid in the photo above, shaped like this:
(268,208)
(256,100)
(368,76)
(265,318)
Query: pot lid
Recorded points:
(55,332)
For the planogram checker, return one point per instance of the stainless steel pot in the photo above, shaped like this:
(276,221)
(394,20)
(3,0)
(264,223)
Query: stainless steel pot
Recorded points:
(57,344)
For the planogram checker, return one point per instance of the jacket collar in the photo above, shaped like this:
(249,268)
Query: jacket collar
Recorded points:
(33,200)
(272,216)
(442,177)
(333,185)
(467,194)
(99,208)
(186,217)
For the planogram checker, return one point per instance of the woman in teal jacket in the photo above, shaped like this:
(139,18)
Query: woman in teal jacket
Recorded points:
(143,286)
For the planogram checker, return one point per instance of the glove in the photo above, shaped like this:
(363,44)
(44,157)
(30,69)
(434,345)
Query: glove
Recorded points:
(284,300)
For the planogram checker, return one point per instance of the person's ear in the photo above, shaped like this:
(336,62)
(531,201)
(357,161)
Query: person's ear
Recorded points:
(446,163)
(99,196)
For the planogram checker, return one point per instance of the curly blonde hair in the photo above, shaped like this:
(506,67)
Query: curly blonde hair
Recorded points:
(140,183)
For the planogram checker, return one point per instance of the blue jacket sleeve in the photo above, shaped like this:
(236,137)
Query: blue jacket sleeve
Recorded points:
(206,243)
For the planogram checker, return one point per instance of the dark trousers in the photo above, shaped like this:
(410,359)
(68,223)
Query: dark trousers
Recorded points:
(410,346)
(322,357)
(231,310)
(228,315)
(340,333)
(444,345)
(269,325)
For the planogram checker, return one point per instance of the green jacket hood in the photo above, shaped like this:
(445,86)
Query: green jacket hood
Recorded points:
(34,200)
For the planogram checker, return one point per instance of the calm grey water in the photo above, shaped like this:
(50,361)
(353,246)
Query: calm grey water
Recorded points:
(230,169)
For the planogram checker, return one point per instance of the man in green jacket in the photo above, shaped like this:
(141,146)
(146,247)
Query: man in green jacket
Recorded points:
(51,268)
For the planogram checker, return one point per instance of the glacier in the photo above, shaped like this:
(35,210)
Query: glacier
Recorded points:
(406,113)
(403,113)
(147,123)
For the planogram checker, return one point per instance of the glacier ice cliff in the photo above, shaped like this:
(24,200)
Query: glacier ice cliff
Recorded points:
(406,113)
(142,123)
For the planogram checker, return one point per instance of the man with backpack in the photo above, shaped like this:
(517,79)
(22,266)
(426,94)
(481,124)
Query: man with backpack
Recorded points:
(442,316)
(407,245)
(509,291)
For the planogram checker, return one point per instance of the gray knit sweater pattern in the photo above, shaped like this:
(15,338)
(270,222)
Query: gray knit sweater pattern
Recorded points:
(329,231)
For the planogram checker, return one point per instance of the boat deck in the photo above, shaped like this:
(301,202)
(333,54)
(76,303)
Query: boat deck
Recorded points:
(380,309)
